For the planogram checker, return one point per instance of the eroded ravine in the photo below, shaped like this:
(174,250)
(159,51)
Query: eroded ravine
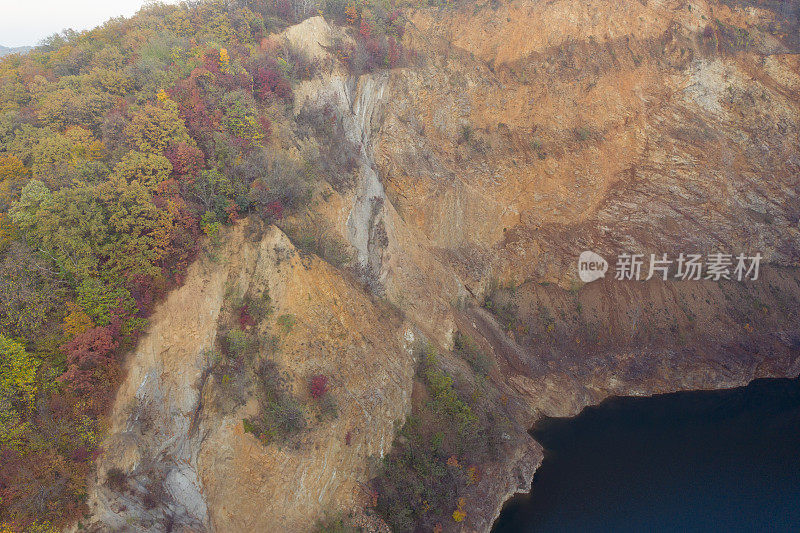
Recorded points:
(365,223)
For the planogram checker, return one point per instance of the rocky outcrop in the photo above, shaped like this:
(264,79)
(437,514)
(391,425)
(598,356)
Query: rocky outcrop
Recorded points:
(147,477)
(175,459)
(572,349)
(536,130)
(340,332)
(531,131)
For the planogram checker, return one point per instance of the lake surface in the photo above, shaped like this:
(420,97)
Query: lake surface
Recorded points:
(697,461)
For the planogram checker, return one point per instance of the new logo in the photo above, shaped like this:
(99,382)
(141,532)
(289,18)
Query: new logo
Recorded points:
(591,267)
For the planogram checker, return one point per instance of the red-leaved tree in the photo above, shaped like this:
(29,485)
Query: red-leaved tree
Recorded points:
(89,356)
(270,81)
(185,159)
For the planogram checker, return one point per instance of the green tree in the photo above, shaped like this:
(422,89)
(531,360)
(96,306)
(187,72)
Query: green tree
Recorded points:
(115,227)
(101,297)
(72,103)
(139,231)
(30,291)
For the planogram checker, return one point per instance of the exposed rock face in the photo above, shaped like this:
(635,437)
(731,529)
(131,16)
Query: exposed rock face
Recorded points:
(523,134)
(153,440)
(636,338)
(338,332)
(540,129)
(170,440)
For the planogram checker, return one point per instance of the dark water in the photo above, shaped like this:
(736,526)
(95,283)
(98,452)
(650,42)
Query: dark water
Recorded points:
(698,461)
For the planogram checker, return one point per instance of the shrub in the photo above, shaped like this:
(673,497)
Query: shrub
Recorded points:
(185,159)
(503,309)
(300,65)
(338,523)
(328,408)
(259,307)
(318,386)
(584,134)
(423,477)
(276,182)
(116,479)
(249,427)
(88,357)
(376,30)
(269,82)
(284,415)
(287,322)
(281,415)
(155,495)
(466,134)
(337,156)
(420,480)
(536,146)
(236,343)
(313,234)
(245,318)
(254,309)
(319,389)
(472,354)
(445,401)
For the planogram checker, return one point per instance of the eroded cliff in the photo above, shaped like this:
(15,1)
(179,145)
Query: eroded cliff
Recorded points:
(519,135)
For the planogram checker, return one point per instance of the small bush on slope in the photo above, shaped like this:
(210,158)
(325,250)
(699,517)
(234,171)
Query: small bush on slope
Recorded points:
(439,451)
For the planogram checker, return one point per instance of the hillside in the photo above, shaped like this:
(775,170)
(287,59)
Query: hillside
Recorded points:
(313,265)
(5,50)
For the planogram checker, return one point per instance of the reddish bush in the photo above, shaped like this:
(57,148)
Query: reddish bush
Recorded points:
(87,353)
(396,24)
(245,318)
(185,159)
(376,53)
(200,120)
(395,50)
(184,241)
(232,211)
(60,405)
(269,81)
(275,210)
(270,46)
(211,60)
(318,386)
(365,30)
(284,9)
(142,290)
(80,454)
(266,126)
(167,191)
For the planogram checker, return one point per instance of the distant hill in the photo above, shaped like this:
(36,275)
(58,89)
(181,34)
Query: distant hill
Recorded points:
(5,50)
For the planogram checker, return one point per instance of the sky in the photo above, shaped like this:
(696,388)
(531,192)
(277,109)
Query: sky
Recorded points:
(26,22)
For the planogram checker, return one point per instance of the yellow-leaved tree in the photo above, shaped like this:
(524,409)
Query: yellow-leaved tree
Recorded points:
(76,321)
(17,390)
